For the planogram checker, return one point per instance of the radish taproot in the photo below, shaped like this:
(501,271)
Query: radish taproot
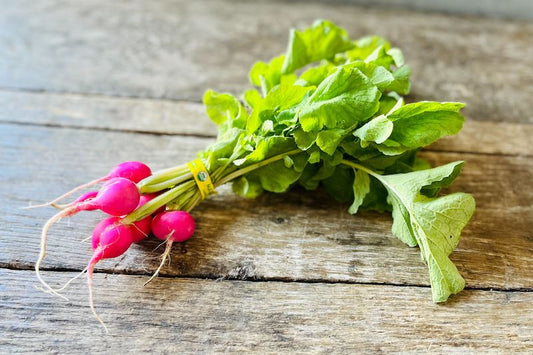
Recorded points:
(171,226)
(82,198)
(110,239)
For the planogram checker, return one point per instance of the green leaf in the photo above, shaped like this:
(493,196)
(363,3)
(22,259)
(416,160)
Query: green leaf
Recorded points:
(397,56)
(266,148)
(314,157)
(376,130)
(366,46)
(328,140)
(377,74)
(312,176)
(421,164)
(321,41)
(289,163)
(387,102)
(338,184)
(401,83)
(281,97)
(267,75)
(361,187)
(223,148)
(220,107)
(380,57)
(344,98)
(419,124)
(276,177)
(253,98)
(315,75)
(304,140)
(376,198)
(247,187)
(434,224)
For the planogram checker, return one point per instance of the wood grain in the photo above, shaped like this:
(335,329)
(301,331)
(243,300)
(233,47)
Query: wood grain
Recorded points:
(177,49)
(295,236)
(188,118)
(206,316)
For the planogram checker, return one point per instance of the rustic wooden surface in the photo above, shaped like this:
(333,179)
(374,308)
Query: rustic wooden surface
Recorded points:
(263,317)
(82,82)
(294,236)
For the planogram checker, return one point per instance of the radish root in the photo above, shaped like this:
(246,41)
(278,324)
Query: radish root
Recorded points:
(54,202)
(164,257)
(44,240)
(64,286)
(90,269)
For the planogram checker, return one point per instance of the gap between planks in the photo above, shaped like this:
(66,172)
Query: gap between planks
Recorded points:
(258,279)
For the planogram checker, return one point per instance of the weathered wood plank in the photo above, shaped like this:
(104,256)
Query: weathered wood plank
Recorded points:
(513,9)
(299,235)
(188,118)
(102,112)
(197,316)
(489,138)
(178,49)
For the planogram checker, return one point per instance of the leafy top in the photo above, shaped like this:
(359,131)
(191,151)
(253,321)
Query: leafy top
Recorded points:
(330,112)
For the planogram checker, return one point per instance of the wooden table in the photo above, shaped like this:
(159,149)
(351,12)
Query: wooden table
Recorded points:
(85,85)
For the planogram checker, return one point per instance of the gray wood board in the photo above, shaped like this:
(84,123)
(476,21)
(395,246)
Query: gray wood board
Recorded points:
(295,236)
(168,117)
(178,49)
(512,9)
(198,316)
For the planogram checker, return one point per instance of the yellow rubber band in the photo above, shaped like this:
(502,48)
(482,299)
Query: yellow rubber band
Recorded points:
(202,178)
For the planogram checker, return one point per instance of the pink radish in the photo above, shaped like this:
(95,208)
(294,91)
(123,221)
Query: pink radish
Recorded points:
(176,225)
(117,197)
(112,240)
(132,170)
(100,228)
(172,226)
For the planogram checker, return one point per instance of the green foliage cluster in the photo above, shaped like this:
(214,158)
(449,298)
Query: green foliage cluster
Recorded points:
(329,112)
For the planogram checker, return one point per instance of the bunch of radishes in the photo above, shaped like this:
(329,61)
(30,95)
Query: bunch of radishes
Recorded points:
(118,197)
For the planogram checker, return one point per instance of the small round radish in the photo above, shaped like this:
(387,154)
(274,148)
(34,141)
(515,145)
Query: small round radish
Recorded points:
(172,226)
(117,197)
(113,240)
(132,170)
(100,227)
(177,225)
